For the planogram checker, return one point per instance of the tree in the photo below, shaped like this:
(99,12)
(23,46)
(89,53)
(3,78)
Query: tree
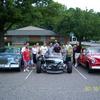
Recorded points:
(48,16)
(9,15)
(85,24)
(16,13)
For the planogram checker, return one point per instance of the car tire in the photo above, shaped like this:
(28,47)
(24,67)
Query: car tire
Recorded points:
(38,67)
(69,67)
(89,69)
(20,67)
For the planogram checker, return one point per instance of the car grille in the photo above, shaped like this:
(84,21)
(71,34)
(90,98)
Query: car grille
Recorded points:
(50,61)
(3,61)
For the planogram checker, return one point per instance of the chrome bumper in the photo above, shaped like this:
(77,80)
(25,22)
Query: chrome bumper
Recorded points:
(95,67)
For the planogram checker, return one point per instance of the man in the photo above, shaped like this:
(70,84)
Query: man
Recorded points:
(56,47)
(77,52)
(34,53)
(43,49)
(69,51)
(50,49)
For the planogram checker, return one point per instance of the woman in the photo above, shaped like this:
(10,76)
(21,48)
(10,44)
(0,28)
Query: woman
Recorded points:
(26,58)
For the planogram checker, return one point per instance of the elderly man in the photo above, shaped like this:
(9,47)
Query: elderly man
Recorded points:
(69,51)
(43,49)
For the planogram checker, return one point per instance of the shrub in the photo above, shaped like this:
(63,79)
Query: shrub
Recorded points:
(34,42)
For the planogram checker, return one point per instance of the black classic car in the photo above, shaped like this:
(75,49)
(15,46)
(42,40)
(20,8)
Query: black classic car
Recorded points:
(53,64)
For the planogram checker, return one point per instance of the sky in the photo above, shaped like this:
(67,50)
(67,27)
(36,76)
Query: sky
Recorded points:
(83,4)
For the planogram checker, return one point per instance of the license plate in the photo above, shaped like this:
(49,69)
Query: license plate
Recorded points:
(2,65)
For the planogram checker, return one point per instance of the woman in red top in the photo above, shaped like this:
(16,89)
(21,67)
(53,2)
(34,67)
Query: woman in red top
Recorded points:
(26,58)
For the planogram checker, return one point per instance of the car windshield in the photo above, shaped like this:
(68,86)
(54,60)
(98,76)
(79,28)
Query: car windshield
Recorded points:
(94,50)
(10,50)
(7,55)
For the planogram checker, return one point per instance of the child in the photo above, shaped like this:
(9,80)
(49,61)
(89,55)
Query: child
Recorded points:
(26,59)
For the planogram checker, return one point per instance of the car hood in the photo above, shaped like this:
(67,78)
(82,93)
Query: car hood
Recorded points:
(54,60)
(95,56)
(8,58)
(8,55)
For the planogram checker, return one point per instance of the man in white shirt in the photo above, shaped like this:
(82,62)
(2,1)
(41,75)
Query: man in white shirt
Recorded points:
(34,53)
(43,49)
(50,49)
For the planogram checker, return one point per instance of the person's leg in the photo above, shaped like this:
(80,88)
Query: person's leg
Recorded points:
(25,65)
(76,57)
(35,60)
(30,64)
(73,58)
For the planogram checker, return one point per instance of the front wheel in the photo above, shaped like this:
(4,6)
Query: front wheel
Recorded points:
(90,70)
(38,67)
(69,67)
(88,67)
(19,68)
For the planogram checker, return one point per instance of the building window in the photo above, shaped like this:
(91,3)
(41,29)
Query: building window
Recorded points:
(52,38)
(20,39)
(43,38)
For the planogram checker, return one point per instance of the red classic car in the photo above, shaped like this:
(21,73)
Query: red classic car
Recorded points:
(90,58)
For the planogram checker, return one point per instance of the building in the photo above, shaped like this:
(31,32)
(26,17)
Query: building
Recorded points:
(30,33)
(73,38)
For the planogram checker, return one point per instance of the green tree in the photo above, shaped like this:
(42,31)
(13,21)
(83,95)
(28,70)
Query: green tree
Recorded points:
(9,15)
(48,16)
(84,23)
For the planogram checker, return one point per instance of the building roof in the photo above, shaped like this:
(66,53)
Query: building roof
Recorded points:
(30,30)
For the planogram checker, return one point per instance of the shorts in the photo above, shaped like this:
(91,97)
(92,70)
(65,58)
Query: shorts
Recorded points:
(26,63)
(77,55)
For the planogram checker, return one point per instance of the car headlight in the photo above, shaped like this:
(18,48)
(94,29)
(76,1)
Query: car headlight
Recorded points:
(10,59)
(16,60)
(93,60)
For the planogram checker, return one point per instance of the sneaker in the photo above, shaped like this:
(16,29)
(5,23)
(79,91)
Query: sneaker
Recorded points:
(24,70)
(75,65)
(33,68)
(27,70)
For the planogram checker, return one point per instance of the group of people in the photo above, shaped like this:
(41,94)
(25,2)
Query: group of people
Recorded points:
(30,55)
